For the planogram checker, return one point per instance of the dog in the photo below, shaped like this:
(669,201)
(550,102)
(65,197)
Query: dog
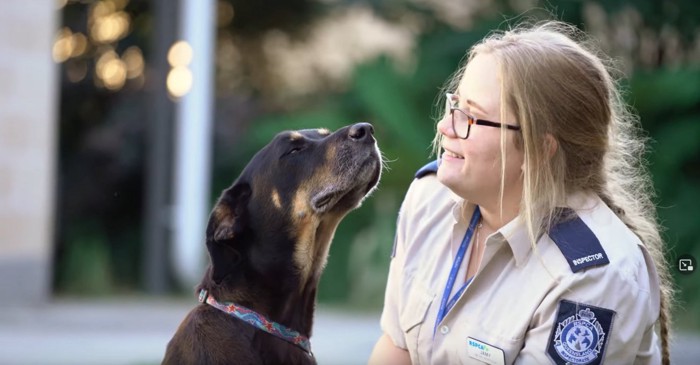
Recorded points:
(268,238)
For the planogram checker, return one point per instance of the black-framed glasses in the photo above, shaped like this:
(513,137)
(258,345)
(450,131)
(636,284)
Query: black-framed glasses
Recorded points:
(462,121)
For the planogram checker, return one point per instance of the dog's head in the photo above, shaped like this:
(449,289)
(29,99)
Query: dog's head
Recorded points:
(278,217)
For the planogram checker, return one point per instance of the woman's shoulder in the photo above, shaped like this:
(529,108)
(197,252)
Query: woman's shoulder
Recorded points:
(607,266)
(427,215)
(619,243)
(598,245)
(427,191)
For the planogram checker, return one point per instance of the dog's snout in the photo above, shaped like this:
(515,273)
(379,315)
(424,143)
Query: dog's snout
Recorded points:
(361,131)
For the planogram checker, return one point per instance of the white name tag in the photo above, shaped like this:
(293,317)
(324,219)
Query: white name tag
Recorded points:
(485,352)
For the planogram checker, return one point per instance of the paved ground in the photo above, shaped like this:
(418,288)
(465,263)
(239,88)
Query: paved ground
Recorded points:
(135,333)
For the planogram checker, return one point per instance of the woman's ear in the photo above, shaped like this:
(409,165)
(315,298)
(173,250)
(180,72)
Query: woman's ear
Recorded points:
(550,145)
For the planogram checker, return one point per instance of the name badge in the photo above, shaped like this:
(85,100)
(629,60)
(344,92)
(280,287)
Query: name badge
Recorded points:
(485,352)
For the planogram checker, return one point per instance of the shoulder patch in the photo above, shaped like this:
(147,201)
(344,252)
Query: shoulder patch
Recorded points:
(428,169)
(577,242)
(579,334)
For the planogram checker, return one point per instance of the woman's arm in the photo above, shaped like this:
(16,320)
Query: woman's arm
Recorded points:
(386,353)
(390,347)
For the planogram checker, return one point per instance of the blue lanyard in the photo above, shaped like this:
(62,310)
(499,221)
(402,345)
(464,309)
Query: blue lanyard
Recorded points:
(445,304)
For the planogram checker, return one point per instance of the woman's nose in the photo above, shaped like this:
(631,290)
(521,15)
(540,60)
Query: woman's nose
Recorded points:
(445,126)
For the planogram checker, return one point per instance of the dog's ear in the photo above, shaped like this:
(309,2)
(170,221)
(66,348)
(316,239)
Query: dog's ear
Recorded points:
(228,216)
(226,223)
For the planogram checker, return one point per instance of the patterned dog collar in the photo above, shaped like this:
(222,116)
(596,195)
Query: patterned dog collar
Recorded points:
(258,320)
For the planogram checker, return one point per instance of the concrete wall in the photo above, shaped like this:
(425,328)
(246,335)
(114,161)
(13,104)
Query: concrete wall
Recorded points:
(28,135)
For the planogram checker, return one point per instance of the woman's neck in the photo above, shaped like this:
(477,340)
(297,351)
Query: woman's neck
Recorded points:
(493,217)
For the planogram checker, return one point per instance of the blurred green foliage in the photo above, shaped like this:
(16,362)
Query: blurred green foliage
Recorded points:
(668,102)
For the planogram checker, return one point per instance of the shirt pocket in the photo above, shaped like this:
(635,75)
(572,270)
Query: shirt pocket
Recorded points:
(412,318)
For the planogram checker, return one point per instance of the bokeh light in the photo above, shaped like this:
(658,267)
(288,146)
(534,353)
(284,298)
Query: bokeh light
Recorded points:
(111,70)
(119,4)
(179,81)
(79,43)
(63,46)
(102,8)
(133,58)
(224,13)
(76,70)
(69,44)
(180,54)
(107,23)
(110,28)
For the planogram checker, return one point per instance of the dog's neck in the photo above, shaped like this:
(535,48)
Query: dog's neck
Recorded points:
(285,305)
(290,303)
(298,311)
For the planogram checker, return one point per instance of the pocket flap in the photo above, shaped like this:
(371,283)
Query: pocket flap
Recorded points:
(417,304)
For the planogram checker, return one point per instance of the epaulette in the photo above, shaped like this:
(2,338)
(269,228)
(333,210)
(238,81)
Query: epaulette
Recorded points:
(430,168)
(577,242)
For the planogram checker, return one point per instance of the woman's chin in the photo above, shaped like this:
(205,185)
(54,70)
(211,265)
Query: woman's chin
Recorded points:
(448,175)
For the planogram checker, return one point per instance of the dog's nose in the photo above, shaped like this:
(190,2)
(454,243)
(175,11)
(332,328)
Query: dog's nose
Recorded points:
(361,131)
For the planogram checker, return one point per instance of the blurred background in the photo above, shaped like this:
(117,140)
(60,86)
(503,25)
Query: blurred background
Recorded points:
(122,120)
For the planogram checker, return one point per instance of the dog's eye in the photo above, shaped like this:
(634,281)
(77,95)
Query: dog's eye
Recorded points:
(293,150)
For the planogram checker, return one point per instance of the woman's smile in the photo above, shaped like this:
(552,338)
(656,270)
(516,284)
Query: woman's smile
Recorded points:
(450,155)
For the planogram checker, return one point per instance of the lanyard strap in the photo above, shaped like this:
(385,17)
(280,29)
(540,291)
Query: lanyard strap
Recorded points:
(446,304)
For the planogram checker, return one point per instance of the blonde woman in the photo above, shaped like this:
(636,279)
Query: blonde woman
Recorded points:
(533,239)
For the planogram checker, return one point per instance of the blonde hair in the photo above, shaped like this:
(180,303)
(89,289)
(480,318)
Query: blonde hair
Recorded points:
(557,84)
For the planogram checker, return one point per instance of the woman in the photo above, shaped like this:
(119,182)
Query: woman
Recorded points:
(536,240)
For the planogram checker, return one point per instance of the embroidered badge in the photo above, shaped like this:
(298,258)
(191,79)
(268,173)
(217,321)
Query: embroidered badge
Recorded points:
(580,334)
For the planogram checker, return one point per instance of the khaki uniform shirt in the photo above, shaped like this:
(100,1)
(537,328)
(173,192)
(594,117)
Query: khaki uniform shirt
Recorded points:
(523,306)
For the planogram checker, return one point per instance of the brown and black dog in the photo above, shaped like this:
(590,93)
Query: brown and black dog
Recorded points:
(268,238)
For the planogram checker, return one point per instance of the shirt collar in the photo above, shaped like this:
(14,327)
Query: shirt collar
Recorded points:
(460,208)
(514,232)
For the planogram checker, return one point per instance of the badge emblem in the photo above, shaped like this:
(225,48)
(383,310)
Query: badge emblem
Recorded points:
(580,334)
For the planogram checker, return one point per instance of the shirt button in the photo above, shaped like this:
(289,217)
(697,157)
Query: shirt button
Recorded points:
(444,330)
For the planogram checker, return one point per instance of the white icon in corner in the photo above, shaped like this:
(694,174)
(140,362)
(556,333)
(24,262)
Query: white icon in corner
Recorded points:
(685,265)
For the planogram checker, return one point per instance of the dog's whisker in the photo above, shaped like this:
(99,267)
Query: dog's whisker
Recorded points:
(385,161)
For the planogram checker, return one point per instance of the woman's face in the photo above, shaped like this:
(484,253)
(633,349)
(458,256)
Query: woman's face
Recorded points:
(472,167)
